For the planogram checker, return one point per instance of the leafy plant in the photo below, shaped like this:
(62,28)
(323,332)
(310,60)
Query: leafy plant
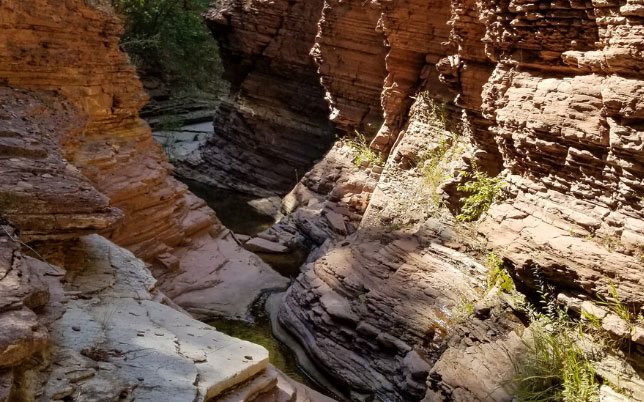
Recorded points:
(169,37)
(497,275)
(484,192)
(615,305)
(362,152)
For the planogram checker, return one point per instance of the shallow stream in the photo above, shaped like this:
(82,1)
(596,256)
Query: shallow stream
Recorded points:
(236,214)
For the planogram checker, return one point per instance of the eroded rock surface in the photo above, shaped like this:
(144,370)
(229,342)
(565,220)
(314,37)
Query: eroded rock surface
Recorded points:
(117,339)
(545,94)
(273,124)
(373,310)
(93,129)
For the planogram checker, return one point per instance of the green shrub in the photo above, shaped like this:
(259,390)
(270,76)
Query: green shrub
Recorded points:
(554,368)
(169,37)
(497,275)
(484,192)
(362,152)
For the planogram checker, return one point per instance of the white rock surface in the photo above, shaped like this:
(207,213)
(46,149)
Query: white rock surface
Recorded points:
(116,340)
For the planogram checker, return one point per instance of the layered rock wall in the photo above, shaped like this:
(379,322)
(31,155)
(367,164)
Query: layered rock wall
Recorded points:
(564,102)
(273,123)
(81,159)
(547,94)
(60,54)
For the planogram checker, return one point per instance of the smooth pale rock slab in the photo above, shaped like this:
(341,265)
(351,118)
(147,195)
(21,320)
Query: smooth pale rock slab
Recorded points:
(206,127)
(265,246)
(116,340)
(615,325)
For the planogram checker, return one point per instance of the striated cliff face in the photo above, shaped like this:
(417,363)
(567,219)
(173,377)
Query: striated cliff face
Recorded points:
(550,94)
(567,117)
(273,123)
(79,126)
(546,94)
(76,159)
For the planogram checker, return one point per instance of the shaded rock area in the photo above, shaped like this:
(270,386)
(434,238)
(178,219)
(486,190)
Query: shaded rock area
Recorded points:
(273,123)
(374,310)
(42,194)
(24,289)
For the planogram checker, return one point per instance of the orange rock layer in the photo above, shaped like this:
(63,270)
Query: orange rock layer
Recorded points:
(77,158)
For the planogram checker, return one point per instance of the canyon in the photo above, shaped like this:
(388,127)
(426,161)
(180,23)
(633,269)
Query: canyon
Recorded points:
(357,126)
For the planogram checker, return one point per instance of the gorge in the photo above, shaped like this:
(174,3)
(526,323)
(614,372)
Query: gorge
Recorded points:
(422,201)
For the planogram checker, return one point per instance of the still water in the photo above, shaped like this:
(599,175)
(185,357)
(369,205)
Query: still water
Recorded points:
(234,212)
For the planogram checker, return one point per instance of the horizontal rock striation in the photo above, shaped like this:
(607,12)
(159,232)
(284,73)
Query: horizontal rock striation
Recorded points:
(273,124)
(41,53)
(373,311)
(42,194)
(93,127)
(350,55)
(564,102)
(548,95)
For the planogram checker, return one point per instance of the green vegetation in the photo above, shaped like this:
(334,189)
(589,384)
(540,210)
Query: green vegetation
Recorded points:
(435,162)
(497,275)
(613,303)
(554,367)
(463,310)
(434,165)
(170,123)
(169,39)
(362,152)
(484,192)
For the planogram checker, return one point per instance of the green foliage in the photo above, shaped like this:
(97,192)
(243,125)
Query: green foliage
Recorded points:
(463,310)
(497,275)
(432,159)
(363,152)
(554,367)
(170,37)
(615,305)
(484,192)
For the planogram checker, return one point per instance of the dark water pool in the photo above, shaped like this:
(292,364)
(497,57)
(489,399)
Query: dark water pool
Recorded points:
(232,208)
(234,212)
(260,333)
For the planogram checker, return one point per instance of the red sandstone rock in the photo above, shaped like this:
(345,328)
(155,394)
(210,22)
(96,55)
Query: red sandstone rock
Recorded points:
(99,133)
(273,123)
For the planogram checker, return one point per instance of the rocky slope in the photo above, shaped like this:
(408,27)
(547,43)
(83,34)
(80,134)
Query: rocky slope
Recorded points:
(99,134)
(546,95)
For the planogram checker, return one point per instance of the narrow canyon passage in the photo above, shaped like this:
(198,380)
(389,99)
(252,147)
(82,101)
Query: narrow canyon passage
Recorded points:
(318,200)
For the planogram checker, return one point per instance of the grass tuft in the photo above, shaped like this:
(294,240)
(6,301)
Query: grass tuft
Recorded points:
(363,153)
